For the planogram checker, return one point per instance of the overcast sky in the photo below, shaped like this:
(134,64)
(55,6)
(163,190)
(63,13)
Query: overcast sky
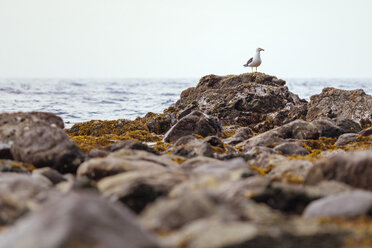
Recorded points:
(188,38)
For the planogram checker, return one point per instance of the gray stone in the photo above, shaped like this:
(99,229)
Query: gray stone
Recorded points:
(345,205)
(291,148)
(78,220)
(327,128)
(43,145)
(194,123)
(346,138)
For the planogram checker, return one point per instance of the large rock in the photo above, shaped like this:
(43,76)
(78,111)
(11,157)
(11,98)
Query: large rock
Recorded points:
(194,123)
(19,192)
(298,129)
(137,189)
(346,205)
(43,145)
(78,220)
(355,105)
(354,168)
(246,99)
(122,161)
(12,123)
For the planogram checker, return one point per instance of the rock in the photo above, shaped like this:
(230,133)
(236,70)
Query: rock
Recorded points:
(130,144)
(78,220)
(137,189)
(327,128)
(5,152)
(18,193)
(298,129)
(340,104)
(353,168)
(349,126)
(162,123)
(12,123)
(291,148)
(346,138)
(122,161)
(215,233)
(193,148)
(194,123)
(366,132)
(345,205)
(241,134)
(54,176)
(43,145)
(247,100)
(221,167)
(185,140)
(195,162)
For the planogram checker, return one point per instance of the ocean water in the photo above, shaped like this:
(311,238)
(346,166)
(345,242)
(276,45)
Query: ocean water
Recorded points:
(78,100)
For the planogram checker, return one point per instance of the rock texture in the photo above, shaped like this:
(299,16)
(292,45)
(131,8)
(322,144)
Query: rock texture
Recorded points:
(78,220)
(339,104)
(246,99)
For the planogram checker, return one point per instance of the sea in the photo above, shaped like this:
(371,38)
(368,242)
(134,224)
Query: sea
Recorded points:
(79,100)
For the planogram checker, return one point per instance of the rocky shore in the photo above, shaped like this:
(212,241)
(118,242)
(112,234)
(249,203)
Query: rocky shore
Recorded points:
(237,161)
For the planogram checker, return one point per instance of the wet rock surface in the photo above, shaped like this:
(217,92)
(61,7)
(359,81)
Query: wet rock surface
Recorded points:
(238,161)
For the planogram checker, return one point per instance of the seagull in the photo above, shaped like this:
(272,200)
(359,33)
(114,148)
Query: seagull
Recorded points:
(255,61)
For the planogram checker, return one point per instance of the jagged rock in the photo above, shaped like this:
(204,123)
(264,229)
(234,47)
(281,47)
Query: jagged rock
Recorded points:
(291,148)
(194,123)
(298,129)
(349,126)
(345,205)
(137,189)
(241,134)
(78,220)
(353,168)
(18,192)
(340,104)
(327,128)
(246,99)
(43,145)
(122,161)
(346,138)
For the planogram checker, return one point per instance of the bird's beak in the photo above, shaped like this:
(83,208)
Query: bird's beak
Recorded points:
(262,49)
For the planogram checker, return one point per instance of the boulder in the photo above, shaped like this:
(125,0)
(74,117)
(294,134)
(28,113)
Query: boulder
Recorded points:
(366,132)
(12,123)
(246,100)
(137,189)
(241,134)
(194,123)
(345,205)
(346,138)
(195,147)
(162,123)
(327,128)
(340,104)
(7,165)
(5,152)
(18,193)
(298,129)
(122,161)
(78,220)
(54,176)
(349,126)
(291,148)
(43,145)
(353,168)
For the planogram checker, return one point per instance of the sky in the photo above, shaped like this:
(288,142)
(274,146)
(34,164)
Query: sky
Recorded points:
(179,38)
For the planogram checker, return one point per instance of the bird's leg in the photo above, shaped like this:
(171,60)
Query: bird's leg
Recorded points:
(252,69)
(256,69)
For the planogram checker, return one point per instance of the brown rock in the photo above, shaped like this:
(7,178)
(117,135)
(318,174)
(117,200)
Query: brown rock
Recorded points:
(43,145)
(353,168)
(194,123)
(355,105)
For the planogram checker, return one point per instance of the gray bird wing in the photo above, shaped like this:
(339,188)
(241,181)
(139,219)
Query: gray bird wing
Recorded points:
(249,61)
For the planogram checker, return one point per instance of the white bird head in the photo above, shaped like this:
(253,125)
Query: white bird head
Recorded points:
(259,50)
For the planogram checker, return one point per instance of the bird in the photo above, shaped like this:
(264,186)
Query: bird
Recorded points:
(255,61)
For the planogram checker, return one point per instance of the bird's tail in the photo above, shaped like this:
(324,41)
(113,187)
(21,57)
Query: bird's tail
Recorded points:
(245,65)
